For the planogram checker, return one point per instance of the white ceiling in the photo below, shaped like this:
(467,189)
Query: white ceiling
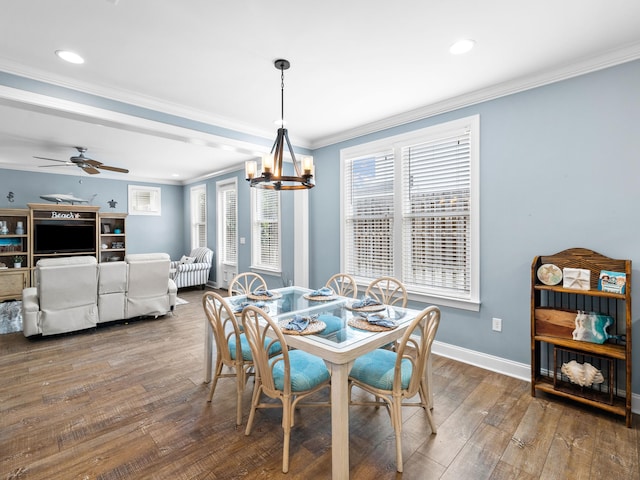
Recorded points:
(356,66)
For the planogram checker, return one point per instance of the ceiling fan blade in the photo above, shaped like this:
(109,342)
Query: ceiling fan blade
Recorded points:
(93,163)
(54,160)
(113,169)
(67,164)
(90,170)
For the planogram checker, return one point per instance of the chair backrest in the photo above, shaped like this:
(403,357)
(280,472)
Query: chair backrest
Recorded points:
(263,333)
(55,276)
(202,255)
(343,284)
(415,346)
(148,274)
(388,290)
(223,323)
(247,282)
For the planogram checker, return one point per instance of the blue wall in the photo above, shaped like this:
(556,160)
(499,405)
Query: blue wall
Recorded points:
(145,233)
(244,225)
(559,169)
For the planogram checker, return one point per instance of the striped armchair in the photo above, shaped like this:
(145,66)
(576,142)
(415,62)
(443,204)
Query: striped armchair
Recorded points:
(194,273)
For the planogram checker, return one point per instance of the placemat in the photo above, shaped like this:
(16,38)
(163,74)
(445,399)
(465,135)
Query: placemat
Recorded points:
(264,308)
(274,296)
(362,324)
(320,298)
(368,308)
(315,326)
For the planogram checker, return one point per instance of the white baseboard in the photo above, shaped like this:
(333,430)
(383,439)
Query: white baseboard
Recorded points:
(518,370)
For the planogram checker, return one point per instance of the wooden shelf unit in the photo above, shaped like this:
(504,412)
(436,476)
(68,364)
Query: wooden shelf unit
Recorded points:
(62,214)
(553,313)
(12,244)
(116,243)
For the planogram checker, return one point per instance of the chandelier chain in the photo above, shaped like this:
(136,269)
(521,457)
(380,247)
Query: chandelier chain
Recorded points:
(282,96)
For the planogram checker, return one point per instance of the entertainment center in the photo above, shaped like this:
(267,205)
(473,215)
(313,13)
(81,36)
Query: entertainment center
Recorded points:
(55,230)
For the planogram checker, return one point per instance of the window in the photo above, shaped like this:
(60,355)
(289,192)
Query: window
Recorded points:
(410,210)
(144,200)
(198,216)
(265,229)
(228,222)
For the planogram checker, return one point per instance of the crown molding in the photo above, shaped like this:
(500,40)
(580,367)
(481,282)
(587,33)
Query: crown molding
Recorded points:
(133,99)
(609,59)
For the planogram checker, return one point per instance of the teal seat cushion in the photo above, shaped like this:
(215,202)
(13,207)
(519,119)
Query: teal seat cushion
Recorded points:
(376,369)
(307,371)
(333,323)
(246,349)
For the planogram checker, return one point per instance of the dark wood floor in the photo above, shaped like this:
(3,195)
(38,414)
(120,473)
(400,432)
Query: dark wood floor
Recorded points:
(126,401)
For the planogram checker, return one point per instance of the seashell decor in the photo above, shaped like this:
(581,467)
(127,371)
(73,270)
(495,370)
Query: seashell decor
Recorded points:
(583,374)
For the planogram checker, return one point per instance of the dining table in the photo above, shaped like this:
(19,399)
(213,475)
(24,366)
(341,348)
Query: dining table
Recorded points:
(339,344)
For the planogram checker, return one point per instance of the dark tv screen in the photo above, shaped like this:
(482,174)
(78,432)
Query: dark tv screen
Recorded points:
(57,238)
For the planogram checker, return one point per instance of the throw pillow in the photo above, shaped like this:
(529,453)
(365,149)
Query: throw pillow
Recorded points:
(187,260)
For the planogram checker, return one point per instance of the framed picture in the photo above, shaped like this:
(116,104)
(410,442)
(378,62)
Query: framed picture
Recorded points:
(106,228)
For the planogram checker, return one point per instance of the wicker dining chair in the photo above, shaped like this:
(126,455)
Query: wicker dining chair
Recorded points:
(388,290)
(394,377)
(247,282)
(289,377)
(343,284)
(231,351)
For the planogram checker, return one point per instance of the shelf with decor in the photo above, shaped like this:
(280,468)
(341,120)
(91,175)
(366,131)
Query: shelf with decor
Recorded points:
(62,231)
(581,329)
(113,236)
(14,253)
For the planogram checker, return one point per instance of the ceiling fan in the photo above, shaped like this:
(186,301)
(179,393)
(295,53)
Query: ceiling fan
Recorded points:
(85,163)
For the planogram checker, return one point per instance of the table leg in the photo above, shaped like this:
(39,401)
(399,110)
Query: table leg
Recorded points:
(340,420)
(208,350)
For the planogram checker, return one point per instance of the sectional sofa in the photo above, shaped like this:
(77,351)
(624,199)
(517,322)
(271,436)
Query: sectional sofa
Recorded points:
(76,293)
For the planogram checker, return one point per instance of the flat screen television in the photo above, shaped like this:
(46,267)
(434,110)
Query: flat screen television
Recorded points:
(63,238)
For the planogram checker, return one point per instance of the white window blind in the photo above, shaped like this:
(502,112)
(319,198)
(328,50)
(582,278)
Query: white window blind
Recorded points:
(436,215)
(266,229)
(410,209)
(198,216)
(144,200)
(369,215)
(230,228)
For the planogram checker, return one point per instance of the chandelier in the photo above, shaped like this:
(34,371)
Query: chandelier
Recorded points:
(272,176)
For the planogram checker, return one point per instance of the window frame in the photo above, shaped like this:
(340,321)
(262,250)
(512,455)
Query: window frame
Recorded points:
(256,244)
(395,144)
(195,192)
(155,200)
(223,187)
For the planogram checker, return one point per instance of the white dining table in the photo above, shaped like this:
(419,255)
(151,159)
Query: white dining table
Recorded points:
(338,347)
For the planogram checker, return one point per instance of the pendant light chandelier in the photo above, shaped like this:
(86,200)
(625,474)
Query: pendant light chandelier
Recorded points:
(272,176)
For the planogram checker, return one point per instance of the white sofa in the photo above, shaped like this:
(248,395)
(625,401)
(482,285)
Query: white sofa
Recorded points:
(75,293)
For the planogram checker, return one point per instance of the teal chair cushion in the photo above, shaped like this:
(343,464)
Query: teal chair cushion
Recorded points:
(246,349)
(333,323)
(376,369)
(307,371)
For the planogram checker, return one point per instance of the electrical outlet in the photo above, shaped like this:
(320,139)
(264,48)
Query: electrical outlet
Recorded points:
(496,324)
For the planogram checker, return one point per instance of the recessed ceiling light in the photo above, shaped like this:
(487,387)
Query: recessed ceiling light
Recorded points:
(70,57)
(462,46)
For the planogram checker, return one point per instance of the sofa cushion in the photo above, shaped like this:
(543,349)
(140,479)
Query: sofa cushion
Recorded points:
(112,277)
